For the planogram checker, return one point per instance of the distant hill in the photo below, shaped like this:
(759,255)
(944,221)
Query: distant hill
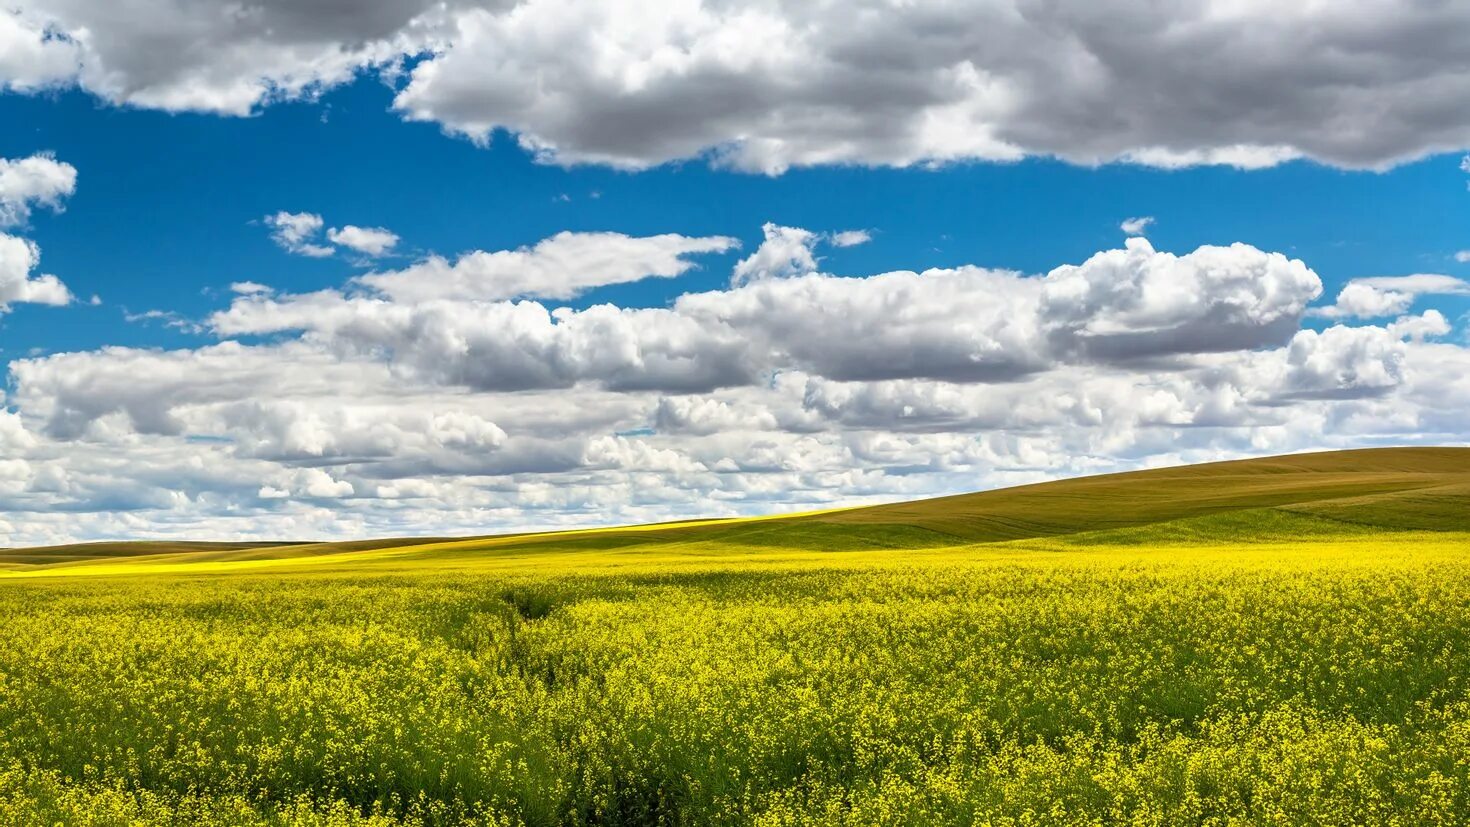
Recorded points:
(1338,492)
(1403,488)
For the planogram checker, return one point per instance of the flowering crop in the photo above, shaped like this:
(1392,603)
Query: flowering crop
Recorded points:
(1075,682)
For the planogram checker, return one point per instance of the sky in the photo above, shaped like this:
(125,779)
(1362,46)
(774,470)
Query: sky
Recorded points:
(318,270)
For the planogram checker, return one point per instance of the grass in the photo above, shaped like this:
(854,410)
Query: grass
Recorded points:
(1276,642)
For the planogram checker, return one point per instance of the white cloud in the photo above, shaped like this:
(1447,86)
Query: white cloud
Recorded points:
(704,415)
(306,429)
(560,267)
(370,241)
(1418,283)
(308,482)
(1428,324)
(18,258)
(1357,300)
(297,233)
(1344,362)
(970,323)
(770,85)
(210,56)
(1240,156)
(790,251)
(1137,302)
(26,183)
(303,233)
(450,324)
(433,412)
(168,318)
(505,346)
(1136,226)
(39,180)
(801,84)
(785,252)
(1384,296)
(1462,256)
(33,58)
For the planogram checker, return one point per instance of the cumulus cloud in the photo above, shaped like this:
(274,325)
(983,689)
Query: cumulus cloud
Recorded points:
(18,283)
(777,85)
(1344,362)
(308,482)
(210,56)
(790,251)
(1417,328)
(967,323)
(301,429)
(1137,302)
(508,346)
(1118,406)
(451,323)
(298,233)
(785,252)
(369,241)
(72,395)
(772,85)
(1384,296)
(33,56)
(25,183)
(303,233)
(704,415)
(393,411)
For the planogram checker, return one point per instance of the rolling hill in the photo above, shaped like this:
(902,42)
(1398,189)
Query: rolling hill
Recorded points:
(1406,488)
(1338,492)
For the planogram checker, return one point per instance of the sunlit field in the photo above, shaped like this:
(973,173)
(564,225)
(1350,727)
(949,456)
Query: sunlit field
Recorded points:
(1238,651)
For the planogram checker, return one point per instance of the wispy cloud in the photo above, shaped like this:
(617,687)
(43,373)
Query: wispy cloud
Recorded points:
(1136,226)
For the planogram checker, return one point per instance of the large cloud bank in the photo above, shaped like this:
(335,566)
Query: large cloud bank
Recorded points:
(457,395)
(765,85)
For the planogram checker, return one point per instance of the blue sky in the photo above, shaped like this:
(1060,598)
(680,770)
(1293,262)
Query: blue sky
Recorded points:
(167,212)
(724,350)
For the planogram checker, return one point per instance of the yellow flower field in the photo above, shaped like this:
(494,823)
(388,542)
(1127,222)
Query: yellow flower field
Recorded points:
(1263,666)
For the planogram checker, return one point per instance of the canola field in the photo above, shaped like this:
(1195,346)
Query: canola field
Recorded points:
(1257,665)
